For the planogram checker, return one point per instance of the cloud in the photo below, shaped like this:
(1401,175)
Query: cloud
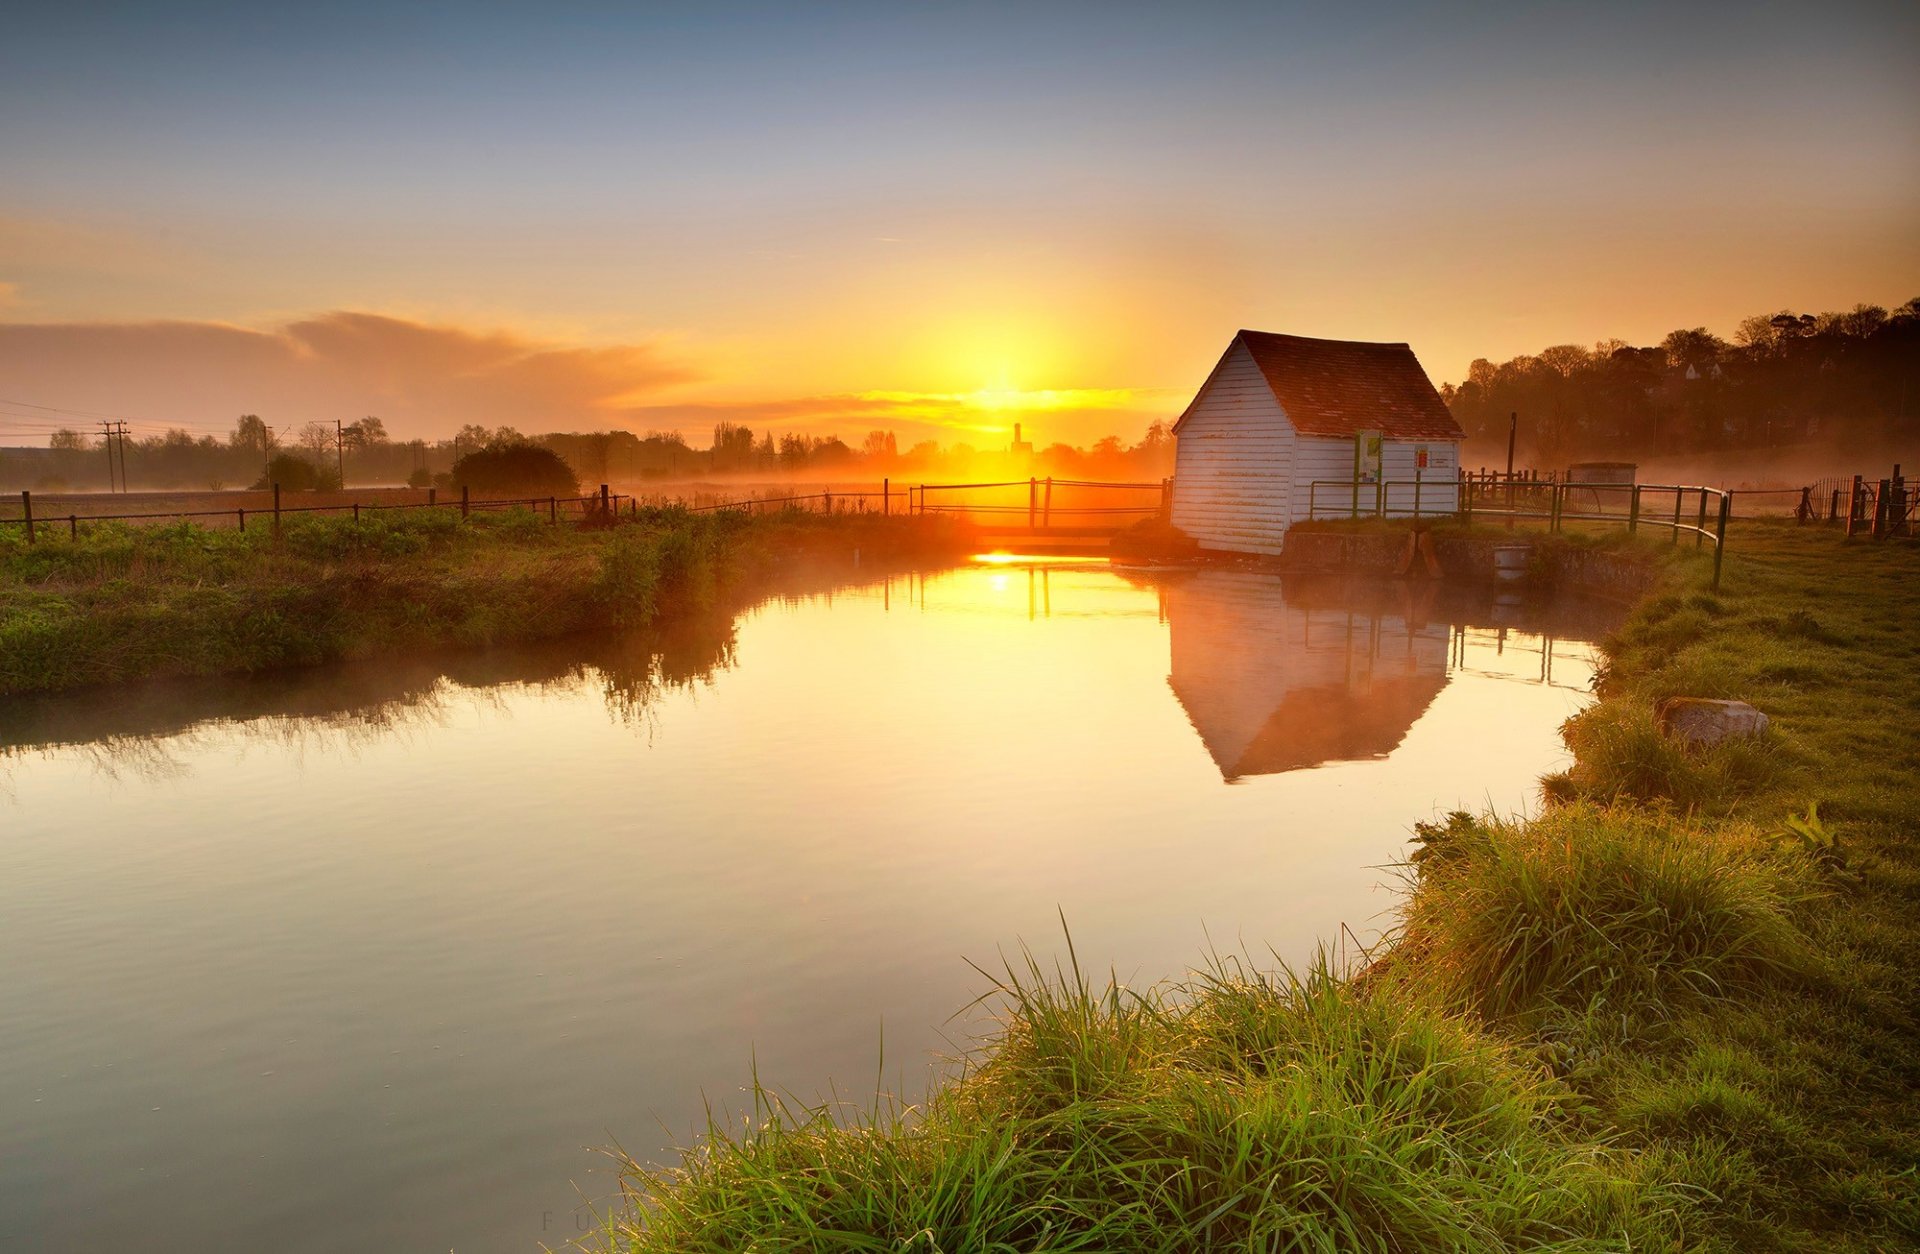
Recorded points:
(422,378)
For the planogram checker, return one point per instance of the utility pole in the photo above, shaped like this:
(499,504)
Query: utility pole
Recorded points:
(106,442)
(340,451)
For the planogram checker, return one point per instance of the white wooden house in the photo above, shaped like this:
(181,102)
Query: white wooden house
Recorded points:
(1282,413)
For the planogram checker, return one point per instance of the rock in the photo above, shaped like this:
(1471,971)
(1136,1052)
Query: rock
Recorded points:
(1700,721)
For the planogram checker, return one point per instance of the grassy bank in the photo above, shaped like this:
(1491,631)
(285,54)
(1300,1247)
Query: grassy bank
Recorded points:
(1676,1011)
(124,603)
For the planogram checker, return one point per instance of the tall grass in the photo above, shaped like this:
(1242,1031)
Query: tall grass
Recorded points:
(1617,911)
(1239,1110)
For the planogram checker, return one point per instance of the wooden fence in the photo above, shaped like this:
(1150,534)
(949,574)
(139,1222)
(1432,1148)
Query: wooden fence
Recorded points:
(600,505)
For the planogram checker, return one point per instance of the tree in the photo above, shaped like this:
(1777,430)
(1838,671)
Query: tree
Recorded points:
(732,446)
(318,439)
(251,435)
(66,440)
(364,434)
(517,470)
(880,446)
(1697,347)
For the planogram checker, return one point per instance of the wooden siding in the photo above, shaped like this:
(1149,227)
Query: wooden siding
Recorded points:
(1233,467)
(1330,461)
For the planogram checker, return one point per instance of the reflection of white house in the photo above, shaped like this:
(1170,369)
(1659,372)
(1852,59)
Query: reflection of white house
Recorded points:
(1280,412)
(1272,686)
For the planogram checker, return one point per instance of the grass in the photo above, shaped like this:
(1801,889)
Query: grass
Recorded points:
(1678,1010)
(126,603)
(1241,1110)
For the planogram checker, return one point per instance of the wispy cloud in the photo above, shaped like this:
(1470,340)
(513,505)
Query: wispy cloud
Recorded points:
(421,377)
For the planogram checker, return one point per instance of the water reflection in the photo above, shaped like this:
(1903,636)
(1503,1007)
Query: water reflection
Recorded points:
(1285,675)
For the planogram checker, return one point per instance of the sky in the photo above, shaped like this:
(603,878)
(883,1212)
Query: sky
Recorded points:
(932,219)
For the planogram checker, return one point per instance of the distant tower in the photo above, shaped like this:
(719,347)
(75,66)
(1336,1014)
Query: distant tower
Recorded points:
(1021,448)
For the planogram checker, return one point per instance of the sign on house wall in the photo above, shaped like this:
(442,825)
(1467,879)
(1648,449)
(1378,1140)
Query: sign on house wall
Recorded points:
(1366,457)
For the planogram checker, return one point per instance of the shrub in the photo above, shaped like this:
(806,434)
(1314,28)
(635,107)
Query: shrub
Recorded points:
(516,469)
(421,478)
(1155,539)
(297,474)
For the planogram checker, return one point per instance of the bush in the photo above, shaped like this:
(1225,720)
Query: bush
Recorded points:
(1590,908)
(1155,539)
(297,474)
(421,478)
(516,470)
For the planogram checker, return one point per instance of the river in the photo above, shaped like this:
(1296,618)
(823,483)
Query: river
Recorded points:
(384,956)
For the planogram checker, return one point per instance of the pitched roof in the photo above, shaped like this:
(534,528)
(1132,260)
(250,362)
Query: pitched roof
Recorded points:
(1340,387)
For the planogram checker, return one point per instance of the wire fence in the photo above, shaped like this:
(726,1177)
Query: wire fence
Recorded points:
(1701,512)
(603,506)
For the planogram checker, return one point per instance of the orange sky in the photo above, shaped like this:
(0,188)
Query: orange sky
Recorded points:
(869,219)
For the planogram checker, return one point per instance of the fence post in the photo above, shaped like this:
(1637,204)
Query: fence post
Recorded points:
(26,504)
(1046,508)
(463,500)
(1700,536)
(1633,510)
(276,511)
(826,502)
(1720,537)
(1416,494)
(433,497)
(1853,505)
(606,505)
(1881,499)
(1679,498)
(886,497)
(1556,503)
(242,513)
(553,511)
(73,526)
(356,511)
(1463,490)
(1033,501)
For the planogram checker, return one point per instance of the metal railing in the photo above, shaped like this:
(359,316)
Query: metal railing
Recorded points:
(1701,512)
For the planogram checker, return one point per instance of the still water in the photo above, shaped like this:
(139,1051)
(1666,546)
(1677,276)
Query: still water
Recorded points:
(381,957)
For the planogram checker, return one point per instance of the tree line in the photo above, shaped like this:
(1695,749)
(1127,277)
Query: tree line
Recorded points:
(1785,379)
(316,454)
